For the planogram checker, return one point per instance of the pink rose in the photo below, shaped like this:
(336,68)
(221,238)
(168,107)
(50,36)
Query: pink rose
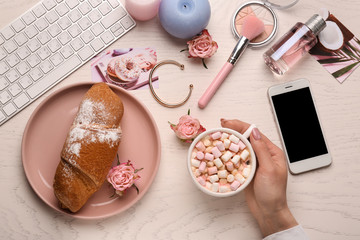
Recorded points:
(122,176)
(202,46)
(187,128)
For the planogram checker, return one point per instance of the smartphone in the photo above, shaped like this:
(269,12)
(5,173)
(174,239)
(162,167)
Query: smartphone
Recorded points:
(299,126)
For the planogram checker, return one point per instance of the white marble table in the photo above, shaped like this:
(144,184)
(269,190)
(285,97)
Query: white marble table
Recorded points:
(325,202)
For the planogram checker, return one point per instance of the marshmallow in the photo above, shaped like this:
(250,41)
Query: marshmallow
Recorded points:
(224,136)
(200,155)
(246,172)
(234,138)
(229,166)
(224,189)
(202,166)
(207,142)
(235,159)
(195,163)
(197,173)
(226,157)
(242,145)
(200,146)
(234,172)
(208,185)
(215,187)
(216,135)
(193,154)
(220,146)
(244,154)
(222,174)
(210,164)
(234,147)
(212,170)
(218,162)
(227,143)
(208,149)
(216,152)
(201,181)
(230,178)
(214,178)
(240,178)
(223,181)
(209,156)
(235,185)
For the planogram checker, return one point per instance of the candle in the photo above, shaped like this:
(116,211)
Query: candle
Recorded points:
(142,10)
(184,18)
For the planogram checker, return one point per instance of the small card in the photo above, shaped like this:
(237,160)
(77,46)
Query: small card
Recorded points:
(128,68)
(337,50)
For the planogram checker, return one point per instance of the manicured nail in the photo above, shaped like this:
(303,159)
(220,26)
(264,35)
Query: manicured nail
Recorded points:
(256,134)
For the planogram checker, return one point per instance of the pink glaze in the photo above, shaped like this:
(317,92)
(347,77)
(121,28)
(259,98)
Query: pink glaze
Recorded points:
(216,152)
(209,156)
(200,155)
(200,146)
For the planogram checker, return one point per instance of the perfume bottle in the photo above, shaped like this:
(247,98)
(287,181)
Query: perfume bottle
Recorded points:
(293,45)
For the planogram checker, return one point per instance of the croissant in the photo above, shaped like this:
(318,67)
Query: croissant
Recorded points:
(90,147)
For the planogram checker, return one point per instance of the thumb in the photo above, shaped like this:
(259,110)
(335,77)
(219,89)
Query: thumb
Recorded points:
(261,150)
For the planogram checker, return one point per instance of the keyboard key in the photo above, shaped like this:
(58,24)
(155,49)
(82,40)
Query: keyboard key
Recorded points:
(41,24)
(62,9)
(51,17)
(85,8)
(97,29)
(39,10)
(54,30)
(113,17)
(18,25)
(117,29)
(9,109)
(3,83)
(127,22)
(56,59)
(2,54)
(95,16)
(74,15)
(10,46)
(20,39)
(2,116)
(64,38)
(54,45)
(46,66)
(28,18)
(8,33)
(85,53)
(87,37)
(64,23)
(66,51)
(104,8)
(31,31)
(23,53)
(72,3)
(97,44)
(84,23)
(34,45)
(36,74)
(95,3)
(4,97)
(1,40)
(33,60)
(44,53)
(12,60)
(77,44)
(49,4)
(23,68)
(107,37)
(12,75)
(15,89)
(54,76)
(25,81)
(74,30)
(3,68)
(113,3)
(21,100)
(44,37)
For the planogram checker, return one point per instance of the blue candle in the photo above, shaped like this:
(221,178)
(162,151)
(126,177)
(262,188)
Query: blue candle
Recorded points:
(184,18)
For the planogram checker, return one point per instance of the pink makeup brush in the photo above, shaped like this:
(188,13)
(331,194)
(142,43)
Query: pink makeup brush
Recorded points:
(252,28)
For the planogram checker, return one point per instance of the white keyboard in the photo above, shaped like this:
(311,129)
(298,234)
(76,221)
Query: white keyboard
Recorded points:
(49,42)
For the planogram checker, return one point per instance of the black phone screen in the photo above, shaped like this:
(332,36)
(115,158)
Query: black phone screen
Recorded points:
(299,124)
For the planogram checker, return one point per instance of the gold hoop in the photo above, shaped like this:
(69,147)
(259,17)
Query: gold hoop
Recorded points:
(157,98)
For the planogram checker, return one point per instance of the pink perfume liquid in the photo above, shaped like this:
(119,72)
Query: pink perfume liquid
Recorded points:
(293,45)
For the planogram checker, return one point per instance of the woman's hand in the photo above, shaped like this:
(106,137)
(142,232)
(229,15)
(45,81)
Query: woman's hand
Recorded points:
(266,194)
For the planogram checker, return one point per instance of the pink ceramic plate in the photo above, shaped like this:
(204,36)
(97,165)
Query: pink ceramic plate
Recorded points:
(45,134)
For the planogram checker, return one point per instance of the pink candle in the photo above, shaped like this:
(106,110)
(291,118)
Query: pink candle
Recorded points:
(142,10)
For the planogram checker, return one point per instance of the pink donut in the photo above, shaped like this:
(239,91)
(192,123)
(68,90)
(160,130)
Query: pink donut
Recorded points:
(126,69)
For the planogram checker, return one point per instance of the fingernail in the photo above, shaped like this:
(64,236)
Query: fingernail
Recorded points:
(256,134)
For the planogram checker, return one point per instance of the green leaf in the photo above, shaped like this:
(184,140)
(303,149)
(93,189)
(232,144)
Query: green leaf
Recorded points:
(333,60)
(137,189)
(344,70)
(189,111)
(137,170)
(203,61)
(186,49)
(357,52)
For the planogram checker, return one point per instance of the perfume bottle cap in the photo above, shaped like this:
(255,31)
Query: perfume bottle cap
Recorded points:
(316,24)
